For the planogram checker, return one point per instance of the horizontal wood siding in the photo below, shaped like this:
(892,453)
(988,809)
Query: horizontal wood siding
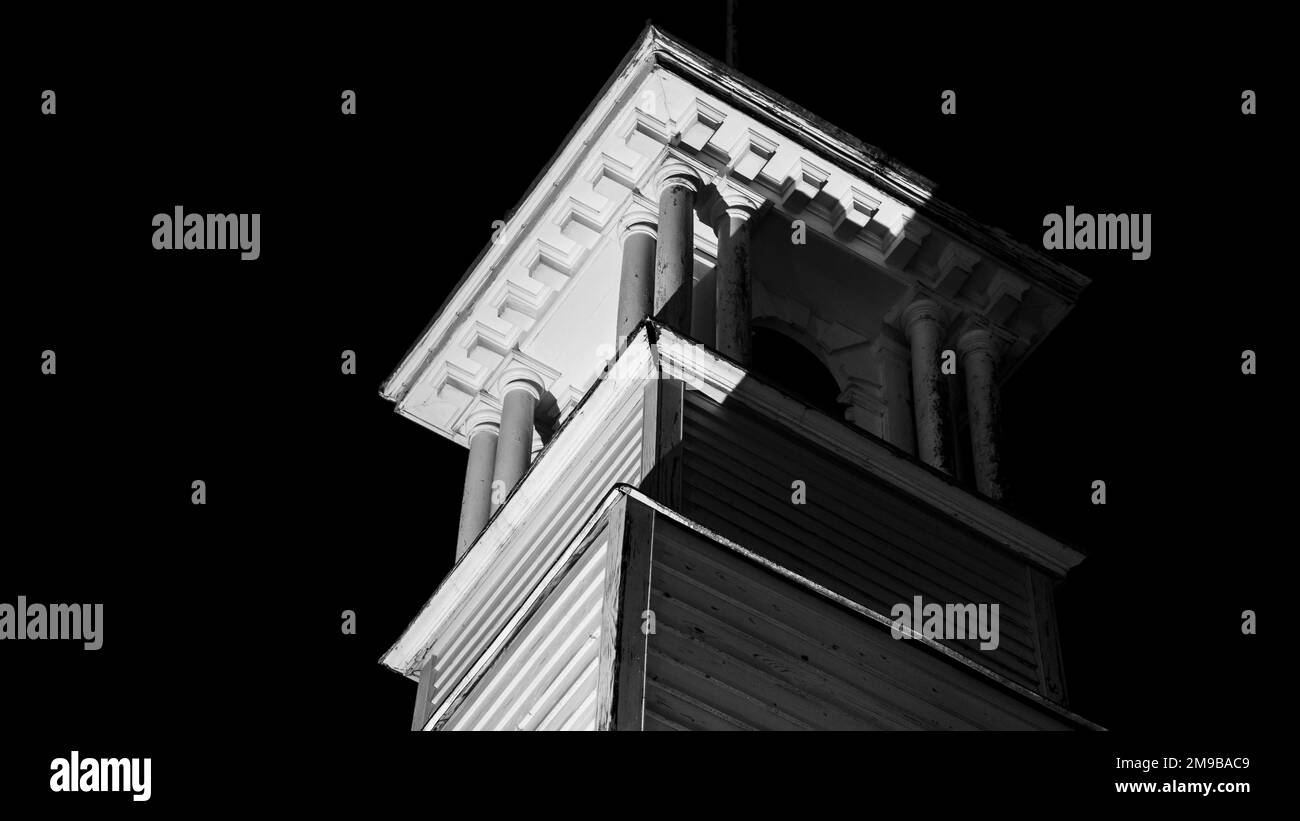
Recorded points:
(614,457)
(855,535)
(737,646)
(545,678)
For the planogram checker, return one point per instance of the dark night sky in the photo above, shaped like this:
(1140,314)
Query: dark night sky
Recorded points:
(175,367)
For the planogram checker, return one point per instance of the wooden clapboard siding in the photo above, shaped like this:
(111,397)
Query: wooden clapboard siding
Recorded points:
(545,678)
(530,550)
(621,684)
(855,535)
(739,645)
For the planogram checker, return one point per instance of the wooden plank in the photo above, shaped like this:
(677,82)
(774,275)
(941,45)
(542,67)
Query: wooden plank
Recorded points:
(622,654)
(859,573)
(723,382)
(810,672)
(826,540)
(507,641)
(658,723)
(897,526)
(773,682)
(611,610)
(1051,667)
(686,671)
(584,718)
(552,654)
(670,704)
(424,694)
(870,543)
(1015,656)
(760,445)
(874,666)
(936,693)
(524,556)
(564,711)
(661,441)
(854,557)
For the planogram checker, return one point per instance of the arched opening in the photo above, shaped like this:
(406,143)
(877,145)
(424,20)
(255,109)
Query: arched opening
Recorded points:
(790,367)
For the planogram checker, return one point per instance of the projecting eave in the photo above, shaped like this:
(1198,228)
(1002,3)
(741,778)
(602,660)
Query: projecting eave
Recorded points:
(840,147)
(542,297)
(633,66)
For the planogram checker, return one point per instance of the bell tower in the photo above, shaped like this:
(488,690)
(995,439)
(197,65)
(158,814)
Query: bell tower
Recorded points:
(662,526)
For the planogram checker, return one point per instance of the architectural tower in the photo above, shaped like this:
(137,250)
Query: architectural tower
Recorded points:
(693,544)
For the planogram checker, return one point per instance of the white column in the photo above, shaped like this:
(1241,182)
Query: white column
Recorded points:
(733,309)
(636,292)
(676,186)
(520,391)
(476,498)
(979,351)
(923,323)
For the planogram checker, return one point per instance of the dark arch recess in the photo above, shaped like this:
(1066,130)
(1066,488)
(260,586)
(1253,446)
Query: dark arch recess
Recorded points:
(790,367)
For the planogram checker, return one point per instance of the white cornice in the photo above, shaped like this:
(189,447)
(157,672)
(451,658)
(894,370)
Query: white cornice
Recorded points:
(857,157)
(668,111)
(564,165)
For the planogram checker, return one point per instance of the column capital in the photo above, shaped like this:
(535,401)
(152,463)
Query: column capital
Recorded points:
(675,173)
(482,414)
(638,218)
(483,419)
(923,309)
(979,339)
(521,372)
(731,203)
(522,378)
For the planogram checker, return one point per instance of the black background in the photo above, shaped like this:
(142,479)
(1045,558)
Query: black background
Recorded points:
(222,622)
